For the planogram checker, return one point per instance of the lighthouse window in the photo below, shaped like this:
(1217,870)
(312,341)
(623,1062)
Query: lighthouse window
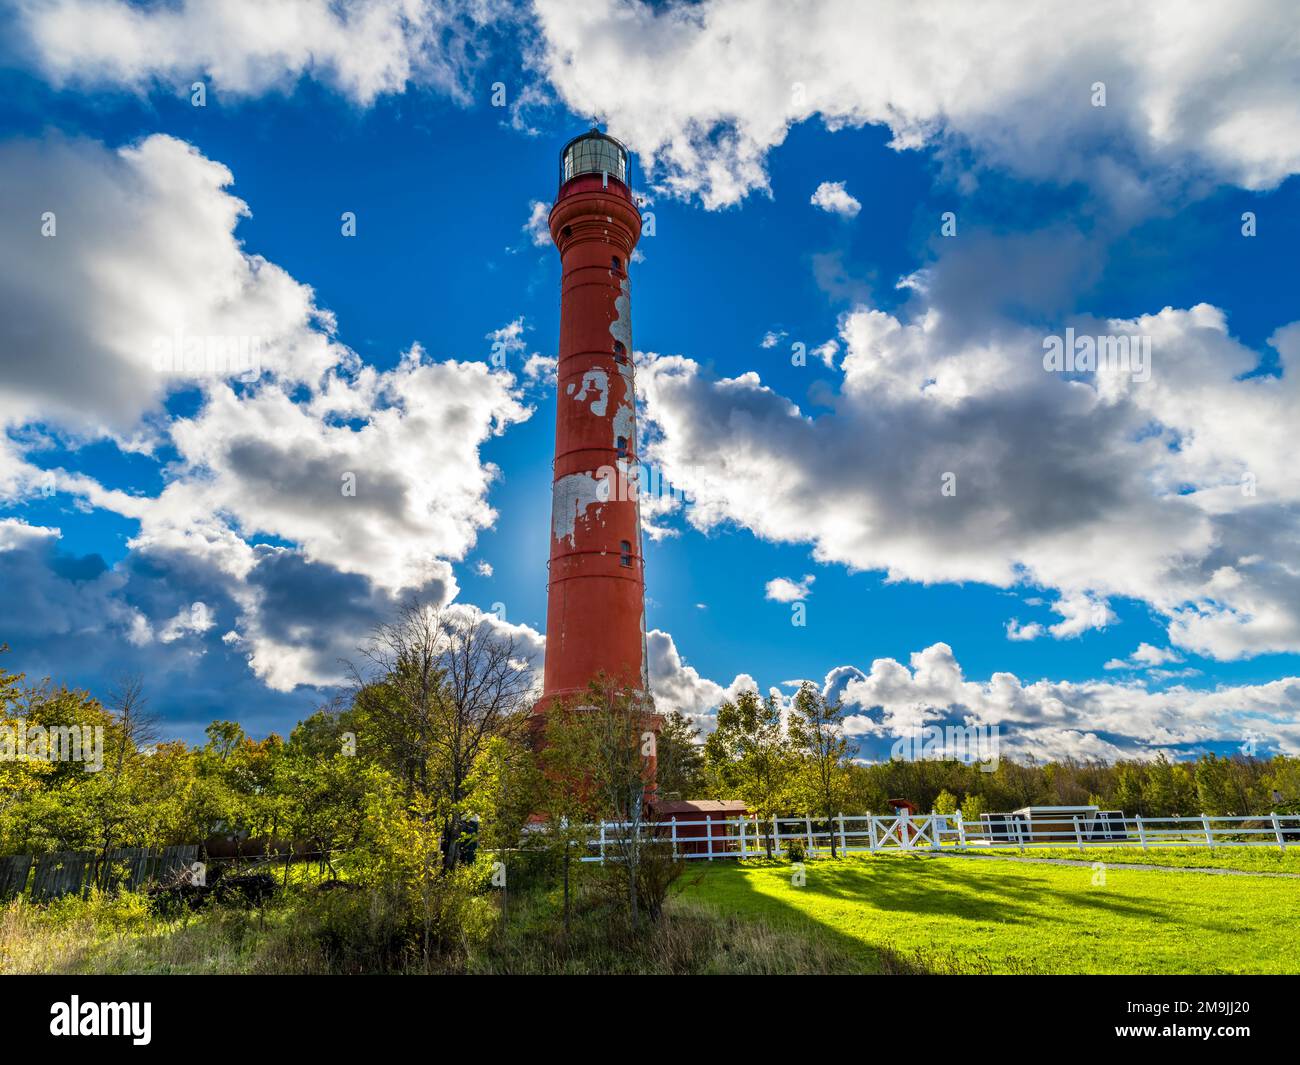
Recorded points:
(594,154)
(626,559)
(567,231)
(620,352)
(622,447)
(616,263)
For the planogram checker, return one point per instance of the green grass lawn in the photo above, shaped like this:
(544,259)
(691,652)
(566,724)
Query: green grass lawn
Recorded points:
(1250,859)
(985,915)
(889,913)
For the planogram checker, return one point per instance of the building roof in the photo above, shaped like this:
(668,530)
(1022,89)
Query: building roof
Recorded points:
(700,806)
(1031,810)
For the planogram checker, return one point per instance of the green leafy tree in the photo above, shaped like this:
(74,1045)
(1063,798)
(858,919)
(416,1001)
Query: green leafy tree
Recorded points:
(1129,791)
(1168,791)
(1282,782)
(816,729)
(440,685)
(610,737)
(322,801)
(504,793)
(1221,786)
(749,757)
(680,773)
(973,807)
(570,799)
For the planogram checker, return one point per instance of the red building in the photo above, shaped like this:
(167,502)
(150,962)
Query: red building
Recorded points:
(706,826)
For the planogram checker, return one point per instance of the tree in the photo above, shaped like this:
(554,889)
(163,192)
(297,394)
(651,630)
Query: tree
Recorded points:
(322,800)
(1282,783)
(1128,789)
(749,756)
(115,795)
(570,799)
(680,769)
(817,729)
(1165,793)
(137,726)
(223,738)
(607,739)
(504,793)
(945,802)
(972,808)
(1219,789)
(441,684)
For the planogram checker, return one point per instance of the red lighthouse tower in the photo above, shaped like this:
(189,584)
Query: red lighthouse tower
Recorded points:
(595,616)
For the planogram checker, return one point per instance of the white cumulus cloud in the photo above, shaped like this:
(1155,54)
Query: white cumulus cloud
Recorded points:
(705,91)
(305,494)
(832,197)
(538,226)
(362,48)
(948,454)
(784,590)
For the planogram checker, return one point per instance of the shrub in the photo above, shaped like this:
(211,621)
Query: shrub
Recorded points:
(106,912)
(366,932)
(656,873)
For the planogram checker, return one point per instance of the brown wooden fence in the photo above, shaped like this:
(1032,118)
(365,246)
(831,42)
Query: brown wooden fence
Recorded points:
(50,876)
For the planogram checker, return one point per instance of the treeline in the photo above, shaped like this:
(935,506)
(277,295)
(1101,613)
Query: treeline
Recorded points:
(441,740)
(424,798)
(434,751)
(421,792)
(381,788)
(790,770)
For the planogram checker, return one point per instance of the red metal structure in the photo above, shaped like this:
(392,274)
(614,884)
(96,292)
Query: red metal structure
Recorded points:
(595,616)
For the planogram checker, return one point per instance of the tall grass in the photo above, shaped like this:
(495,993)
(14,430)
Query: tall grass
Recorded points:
(688,939)
(361,932)
(314,929)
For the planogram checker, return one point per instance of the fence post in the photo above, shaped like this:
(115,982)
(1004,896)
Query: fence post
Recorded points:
(776,838)
(1277,831)
(844,847)
(871,832)
(1142,836)
(602,843)
(708,829)
(1078,836)
(1209,835)
(740,824)
(961,831)
(674,836)
(934,829)
(807,825)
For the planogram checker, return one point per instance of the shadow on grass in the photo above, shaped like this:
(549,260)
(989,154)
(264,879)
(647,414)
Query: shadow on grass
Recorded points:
(726,888)
(921,888)
(923,885)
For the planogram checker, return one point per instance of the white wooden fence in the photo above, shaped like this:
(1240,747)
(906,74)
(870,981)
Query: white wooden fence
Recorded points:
(748,837)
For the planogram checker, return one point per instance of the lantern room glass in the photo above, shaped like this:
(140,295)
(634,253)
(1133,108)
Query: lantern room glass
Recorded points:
(594,153)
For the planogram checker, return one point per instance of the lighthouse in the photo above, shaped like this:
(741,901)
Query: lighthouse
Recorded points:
(595,613)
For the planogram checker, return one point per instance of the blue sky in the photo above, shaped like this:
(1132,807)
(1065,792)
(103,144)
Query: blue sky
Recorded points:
(1067,214)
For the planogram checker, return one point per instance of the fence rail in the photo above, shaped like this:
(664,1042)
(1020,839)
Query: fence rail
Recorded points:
(60,873)
(49,876)
(750,837)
